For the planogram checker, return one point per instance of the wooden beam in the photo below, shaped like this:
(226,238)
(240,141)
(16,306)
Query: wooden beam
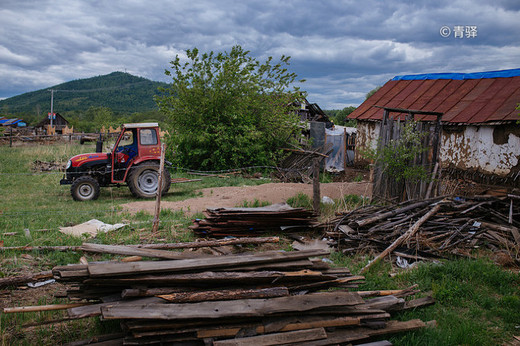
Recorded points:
(291,326)
(232,308)
(121,269)
(209,243)
(276,338)
(132,251)
(194,297)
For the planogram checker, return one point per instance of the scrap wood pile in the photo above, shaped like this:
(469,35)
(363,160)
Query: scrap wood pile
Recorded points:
(265,298)
(431,228)
(221,222)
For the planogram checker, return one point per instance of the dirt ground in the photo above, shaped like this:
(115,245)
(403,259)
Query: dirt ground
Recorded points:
(233,196)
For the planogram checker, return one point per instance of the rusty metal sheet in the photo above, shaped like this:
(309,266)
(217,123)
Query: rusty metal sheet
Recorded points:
(454,104)
(435,86)
(510,98)
(436,103)
(469,99)
(486,103)
(461,101)
(365,106)
(419,94)
(386,101)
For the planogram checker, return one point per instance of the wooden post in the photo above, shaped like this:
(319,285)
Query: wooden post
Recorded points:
(11,137)
(345,148)
(316,196)
(155,225)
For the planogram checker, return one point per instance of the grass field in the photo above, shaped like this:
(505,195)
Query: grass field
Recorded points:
(478,303)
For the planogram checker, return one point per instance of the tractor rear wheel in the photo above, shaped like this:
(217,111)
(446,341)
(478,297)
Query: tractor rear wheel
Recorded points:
(85,188)
(143,180)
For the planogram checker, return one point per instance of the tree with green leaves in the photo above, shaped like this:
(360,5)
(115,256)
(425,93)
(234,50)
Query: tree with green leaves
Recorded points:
(228,110)
(339,116)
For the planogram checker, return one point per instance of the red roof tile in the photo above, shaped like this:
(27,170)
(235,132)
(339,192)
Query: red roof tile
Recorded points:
(463,98)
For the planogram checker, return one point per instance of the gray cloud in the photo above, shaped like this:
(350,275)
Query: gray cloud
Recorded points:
(343,48)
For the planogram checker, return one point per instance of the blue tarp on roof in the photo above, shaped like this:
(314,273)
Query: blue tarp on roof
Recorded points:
(10,122)
(461,76)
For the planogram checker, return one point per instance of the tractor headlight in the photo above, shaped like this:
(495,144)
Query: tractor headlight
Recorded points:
(69,163)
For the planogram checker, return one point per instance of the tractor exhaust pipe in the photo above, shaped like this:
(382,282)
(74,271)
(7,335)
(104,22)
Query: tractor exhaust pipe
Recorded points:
(99,144)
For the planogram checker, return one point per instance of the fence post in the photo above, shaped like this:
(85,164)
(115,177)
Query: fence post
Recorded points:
(316,197)
(11,137)
(155,225)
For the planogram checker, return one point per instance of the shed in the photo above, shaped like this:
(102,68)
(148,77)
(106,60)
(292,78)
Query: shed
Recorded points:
(480,136)
(13,122)
(312,112)
(58,122)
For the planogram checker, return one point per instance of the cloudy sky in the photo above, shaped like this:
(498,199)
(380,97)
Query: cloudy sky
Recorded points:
(342,48)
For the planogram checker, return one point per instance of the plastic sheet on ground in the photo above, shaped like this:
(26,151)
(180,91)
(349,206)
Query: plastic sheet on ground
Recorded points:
(90,228)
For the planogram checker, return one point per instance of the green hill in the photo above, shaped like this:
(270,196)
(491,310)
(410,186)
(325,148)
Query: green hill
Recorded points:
(123,93)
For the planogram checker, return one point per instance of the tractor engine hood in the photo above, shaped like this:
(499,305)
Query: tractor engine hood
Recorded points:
(81,159)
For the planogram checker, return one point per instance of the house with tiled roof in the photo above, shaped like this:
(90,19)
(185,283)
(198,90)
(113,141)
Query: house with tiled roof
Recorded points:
(480,136)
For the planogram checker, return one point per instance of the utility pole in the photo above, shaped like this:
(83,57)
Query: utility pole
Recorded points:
(52,103)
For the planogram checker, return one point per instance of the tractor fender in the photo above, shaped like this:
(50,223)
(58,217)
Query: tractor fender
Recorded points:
(150,158)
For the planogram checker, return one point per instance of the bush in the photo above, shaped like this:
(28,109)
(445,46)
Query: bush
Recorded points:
(227,110)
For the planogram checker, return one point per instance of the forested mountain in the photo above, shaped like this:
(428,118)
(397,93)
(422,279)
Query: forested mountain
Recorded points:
(121,92)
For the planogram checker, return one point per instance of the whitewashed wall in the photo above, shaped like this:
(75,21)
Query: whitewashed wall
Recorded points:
(477,148)
(366,137)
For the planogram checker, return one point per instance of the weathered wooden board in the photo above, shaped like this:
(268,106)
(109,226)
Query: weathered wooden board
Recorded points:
(133,251)
(234,308)
(297,324)
(121,269)
(340,336)
(95,309)
(276,339)
(212,278)
(214,295)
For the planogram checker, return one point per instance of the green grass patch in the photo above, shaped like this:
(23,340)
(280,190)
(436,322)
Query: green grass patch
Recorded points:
(477,302)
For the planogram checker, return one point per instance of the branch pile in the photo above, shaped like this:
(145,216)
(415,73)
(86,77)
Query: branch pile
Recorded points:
(432,228)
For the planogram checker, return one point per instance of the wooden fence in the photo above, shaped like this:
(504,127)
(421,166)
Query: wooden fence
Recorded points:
(387,187)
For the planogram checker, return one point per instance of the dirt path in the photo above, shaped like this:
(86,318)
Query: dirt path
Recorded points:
(232,196)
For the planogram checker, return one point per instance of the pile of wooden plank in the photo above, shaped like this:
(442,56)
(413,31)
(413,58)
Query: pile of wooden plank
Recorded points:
(238,222)
(267,298)
(431,228)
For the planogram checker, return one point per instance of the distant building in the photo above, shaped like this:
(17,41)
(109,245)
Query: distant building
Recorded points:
(59,123)
(12,122)
(312,112)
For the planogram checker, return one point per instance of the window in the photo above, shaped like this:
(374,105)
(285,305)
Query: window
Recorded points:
(148,137)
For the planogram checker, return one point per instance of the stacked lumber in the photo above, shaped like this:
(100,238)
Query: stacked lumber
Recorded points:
(436,228)
(241,222)
(267,298)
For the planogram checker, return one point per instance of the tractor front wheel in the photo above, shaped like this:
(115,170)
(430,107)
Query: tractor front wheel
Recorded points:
(85,188)
(143,180)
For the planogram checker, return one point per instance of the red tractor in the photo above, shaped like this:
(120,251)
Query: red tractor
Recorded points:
(134,160)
